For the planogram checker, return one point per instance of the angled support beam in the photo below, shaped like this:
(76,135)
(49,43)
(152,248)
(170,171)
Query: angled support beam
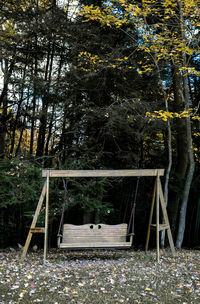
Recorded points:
(166,220)
(159,197)
(150,217)
(39,206)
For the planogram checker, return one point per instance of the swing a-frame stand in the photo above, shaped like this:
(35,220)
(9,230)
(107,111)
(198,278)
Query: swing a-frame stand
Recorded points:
(157,196)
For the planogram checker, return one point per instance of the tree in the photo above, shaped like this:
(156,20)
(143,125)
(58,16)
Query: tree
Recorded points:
(165,30)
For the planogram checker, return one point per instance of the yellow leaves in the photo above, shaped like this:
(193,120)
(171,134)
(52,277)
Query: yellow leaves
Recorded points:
(42,4)
(189,71)
(196,134)
(196,117)
(9,28)
(89,62)
(145,68)
(105,16)
(165,115)
(157,40)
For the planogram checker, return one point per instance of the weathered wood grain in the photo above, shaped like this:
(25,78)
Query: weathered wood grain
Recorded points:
(39,206)
(95,236)
(102,173)
(95,245)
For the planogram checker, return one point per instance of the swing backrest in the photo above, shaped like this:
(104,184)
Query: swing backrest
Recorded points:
(91,235)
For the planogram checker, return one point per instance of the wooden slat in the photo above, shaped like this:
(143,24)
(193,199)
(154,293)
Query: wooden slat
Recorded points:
(93,234)
(95,245)
(37,230)
(94,239)
(86,227)
(102,173)
(161,226)
(92,229)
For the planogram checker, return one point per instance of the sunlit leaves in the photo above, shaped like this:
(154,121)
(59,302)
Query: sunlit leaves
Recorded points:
(165,115)
(167,42)
(91,62)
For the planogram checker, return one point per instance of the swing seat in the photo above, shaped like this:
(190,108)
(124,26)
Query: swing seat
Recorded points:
(91,236)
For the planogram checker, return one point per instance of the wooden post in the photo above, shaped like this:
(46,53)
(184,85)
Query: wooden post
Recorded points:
(166,220)
(157,219)
(159,227)
(150,217)
(40,202)
(46,220)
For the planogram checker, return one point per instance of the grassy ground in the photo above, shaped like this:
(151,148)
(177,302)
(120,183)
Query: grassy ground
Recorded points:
(100,277)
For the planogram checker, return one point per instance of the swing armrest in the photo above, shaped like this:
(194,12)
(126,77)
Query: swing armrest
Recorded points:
(130,237)
(59,236)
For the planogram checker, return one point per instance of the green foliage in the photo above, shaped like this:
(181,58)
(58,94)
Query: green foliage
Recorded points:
(88,194)
(20,187)
(20,182)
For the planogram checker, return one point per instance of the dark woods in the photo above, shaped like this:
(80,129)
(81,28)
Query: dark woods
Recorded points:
(71,97)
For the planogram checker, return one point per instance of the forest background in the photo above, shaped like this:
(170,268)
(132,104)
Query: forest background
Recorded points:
(99,85)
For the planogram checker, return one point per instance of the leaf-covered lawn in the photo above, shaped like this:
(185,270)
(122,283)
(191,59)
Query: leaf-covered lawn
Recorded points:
(100,277)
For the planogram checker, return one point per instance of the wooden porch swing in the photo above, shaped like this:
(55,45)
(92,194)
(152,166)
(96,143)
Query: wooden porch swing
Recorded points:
(100,236)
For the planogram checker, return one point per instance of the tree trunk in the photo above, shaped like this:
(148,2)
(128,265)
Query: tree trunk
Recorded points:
(18,112)
(190,170)
(4,103)
(181,147)
(187,186)
(53,109)
(169,149)
(23,125)
(34,102)
(191,163)
(45,102)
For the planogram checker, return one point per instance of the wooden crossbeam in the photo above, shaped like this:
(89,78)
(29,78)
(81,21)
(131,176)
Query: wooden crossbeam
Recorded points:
(102,173)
